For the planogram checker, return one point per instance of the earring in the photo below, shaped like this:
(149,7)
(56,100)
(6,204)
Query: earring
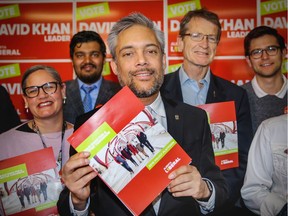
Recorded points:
(64,100)
(26,107)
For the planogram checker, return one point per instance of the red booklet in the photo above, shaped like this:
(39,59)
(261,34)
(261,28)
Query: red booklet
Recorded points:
(132,153)
(30,184)
(223,124)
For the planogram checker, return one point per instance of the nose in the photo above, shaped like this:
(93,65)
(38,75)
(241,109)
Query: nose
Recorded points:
(141,59)
(264,55)
(87,59)
(42,93)
(204,42)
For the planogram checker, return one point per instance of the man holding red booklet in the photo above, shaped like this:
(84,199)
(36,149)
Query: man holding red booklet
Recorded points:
(137,48)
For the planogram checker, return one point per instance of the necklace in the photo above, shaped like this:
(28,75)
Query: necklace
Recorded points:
(64,126)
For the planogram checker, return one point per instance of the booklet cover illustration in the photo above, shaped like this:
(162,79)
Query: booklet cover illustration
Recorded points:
(131,151)
(30,184)
(223,124)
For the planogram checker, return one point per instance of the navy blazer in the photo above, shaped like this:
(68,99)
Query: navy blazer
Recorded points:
(221,90)
(189,127)
(74,106)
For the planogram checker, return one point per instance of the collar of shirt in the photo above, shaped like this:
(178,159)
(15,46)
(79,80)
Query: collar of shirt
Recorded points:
(94,93)
(158,111)
(260,93)
(191,92)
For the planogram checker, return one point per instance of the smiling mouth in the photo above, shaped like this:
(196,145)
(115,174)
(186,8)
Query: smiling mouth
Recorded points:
(45,104)
(266,64)
(201,53)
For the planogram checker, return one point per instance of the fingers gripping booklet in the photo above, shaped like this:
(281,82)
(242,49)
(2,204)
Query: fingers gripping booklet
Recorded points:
(130,150)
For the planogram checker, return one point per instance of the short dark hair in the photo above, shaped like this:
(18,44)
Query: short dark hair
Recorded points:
(200,13)
(259,32)
(84,37)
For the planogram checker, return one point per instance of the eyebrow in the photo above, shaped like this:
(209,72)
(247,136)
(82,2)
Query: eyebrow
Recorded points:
(132,47)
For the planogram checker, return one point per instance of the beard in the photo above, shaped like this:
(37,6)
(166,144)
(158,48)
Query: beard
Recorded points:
(92,77)
(134,87)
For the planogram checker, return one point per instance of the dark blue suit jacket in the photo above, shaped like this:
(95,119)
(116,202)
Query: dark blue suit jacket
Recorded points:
(74,106)
(221,90)
(189,127)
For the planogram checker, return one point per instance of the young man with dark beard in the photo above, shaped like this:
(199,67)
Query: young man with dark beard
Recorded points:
(89,89)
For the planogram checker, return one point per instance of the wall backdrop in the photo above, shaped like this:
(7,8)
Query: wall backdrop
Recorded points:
(39,32)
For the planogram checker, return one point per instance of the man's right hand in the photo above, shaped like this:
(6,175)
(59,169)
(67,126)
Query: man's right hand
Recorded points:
(77,175)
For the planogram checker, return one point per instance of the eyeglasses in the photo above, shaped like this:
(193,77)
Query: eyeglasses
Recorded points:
(270,50)
(199,37)
(48,88)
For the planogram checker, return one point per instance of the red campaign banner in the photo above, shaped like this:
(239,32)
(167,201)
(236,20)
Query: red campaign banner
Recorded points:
(13,83)
(35,30)
(100,17)
(274,14)
(233,70)
(176,9)
(237,18)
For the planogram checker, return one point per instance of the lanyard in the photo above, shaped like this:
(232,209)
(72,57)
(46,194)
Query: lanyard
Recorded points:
(59,160)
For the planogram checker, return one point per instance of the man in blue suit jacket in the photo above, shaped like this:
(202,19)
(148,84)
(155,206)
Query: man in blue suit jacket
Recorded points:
(195,84)
(88,53)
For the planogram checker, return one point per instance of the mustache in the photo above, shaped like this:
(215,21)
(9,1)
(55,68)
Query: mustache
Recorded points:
(142,70)
(89,64)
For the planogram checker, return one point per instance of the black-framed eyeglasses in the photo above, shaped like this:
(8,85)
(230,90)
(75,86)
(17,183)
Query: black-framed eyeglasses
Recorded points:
(48,88)
(196,36)
(270,50)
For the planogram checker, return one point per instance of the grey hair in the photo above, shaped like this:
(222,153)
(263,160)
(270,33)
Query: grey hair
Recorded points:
(35,68)
(129,21)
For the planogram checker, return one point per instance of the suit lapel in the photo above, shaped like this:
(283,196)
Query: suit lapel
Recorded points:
(76,98)
(104,93)
(175,126)
(174,119)
(214,92)
(171,87)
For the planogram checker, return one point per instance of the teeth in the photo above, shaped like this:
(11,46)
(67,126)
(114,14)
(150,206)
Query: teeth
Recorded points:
(266,64)
(45,104)
(146,74)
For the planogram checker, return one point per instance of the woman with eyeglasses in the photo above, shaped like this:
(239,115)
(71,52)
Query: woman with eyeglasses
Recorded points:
(44,96)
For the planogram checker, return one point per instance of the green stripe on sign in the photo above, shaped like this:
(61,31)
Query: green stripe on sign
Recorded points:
(8,71)
(180,9)
(13,173)
(92,11)
(9,11)
(97,140)
(160,154)
(274,6)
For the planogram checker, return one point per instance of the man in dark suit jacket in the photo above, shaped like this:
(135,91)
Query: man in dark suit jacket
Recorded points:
(88,53)
(199,51)
(191,130)
(74,106)
(137,48)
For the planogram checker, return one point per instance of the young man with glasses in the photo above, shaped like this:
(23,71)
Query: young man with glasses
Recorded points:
(267,92)
(195,84)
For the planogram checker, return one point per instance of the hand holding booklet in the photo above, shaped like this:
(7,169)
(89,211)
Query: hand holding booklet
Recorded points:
(130,150)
